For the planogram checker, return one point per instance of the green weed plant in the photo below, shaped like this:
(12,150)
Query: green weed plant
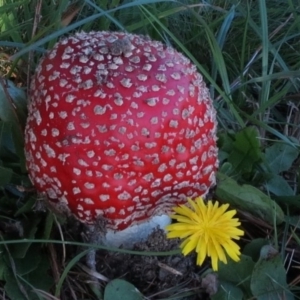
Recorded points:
(249,54)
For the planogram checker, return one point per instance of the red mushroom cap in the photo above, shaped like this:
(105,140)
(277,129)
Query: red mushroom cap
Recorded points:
(119,127)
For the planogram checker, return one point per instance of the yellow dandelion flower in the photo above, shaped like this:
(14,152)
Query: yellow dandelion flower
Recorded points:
(207,228)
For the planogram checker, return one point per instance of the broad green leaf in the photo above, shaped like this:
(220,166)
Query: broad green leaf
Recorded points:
(226,168)
(222,156)
(18,140)
(13,103)
(253,248)
(13,287)
(225,140)
(40,278)
(289,200)
(278,186)
(22,286)
(12,144)
(293,220)
(238,273)
(5,175)
(13,111)
(246,150)
(119,289)
(30,262)
(280,157)
(268,279)
(228,291)
(7,146)
(248,198)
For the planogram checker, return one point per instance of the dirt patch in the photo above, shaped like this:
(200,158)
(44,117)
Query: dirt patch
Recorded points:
(156,277)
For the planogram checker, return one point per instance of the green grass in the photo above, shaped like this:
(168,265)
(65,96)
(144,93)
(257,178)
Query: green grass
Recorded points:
(249,54)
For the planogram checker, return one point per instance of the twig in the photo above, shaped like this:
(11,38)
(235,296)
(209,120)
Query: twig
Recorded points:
(169,269)
(93,273)
(54,266)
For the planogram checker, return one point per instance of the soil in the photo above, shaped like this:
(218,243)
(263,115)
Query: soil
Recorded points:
(156,277)
(169,276)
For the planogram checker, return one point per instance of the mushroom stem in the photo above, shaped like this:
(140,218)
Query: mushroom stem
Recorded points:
(135,233)
(94,238)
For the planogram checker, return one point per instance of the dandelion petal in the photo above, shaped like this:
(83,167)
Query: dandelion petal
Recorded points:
(209,229)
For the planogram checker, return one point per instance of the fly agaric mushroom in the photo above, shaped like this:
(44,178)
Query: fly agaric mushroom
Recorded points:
(120,128)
